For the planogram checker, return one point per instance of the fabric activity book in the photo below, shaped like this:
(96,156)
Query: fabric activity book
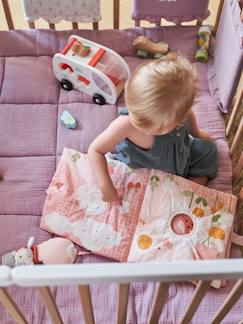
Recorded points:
(163,217)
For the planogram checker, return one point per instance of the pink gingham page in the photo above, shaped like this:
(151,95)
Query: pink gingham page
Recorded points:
(74,208)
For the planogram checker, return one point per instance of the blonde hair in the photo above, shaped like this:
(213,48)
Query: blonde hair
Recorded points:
(161,92)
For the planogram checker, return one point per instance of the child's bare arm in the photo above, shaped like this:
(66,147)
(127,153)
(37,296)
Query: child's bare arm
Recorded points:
(194,130)
(105,142)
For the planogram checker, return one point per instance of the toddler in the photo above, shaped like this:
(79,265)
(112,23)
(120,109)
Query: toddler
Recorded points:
(154,130)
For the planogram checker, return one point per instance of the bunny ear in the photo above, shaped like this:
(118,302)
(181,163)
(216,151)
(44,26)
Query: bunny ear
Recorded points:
(30,242)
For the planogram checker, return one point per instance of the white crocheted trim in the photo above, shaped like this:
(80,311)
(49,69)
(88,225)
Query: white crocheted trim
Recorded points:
(53,11)
(175,19)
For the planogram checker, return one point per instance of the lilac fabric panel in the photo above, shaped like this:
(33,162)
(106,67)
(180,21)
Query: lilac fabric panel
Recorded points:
(1,71)
(225,71)
(28,43)
(29,80)
(27,130)
(92,120)
(22,228)
(67,97)
(172,10)
(181,39)
(47,43)
(31,143)
(22,192)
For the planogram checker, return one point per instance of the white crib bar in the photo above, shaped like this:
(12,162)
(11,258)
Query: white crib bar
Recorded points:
(163,273)
(76,274)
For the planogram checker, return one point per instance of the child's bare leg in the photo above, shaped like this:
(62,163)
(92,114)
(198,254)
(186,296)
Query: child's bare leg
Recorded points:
(200,180)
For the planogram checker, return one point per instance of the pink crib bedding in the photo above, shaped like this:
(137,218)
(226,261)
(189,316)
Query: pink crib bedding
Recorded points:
(32,140)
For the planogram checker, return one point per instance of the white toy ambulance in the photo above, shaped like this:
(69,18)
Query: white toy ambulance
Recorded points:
(101,73)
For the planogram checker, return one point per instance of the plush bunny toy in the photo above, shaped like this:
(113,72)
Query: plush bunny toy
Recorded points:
(54,251)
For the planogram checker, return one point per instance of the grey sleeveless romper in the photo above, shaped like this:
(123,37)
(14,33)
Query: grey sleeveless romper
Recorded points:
(176,152)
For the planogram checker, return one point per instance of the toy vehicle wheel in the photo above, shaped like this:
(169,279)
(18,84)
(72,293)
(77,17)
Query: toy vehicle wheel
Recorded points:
(98,99)
(66,85)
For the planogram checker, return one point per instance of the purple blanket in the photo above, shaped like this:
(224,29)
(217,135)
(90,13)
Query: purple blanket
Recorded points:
(32,140)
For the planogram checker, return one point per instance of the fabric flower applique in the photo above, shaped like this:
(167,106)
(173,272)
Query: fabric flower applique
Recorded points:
(76,157)
(154,180)
(133,185)
(58,223)
(167,244)
(206,252)
(144,241)
(56,186)
(90,200)
(95,235)
(111,165)
(198,212)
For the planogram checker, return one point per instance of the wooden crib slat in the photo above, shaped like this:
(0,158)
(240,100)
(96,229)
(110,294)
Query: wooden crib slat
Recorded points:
(241,194)
(85,299)
(158,302)
(50,304)
(220,7)
(95,25)
(199,293)
(75,25)
(238,168)
(52,26)
(199,22)
(8,14)
(237,137)
(236,107)
(11,307)
(32,25)
(123,294)
(229,302)
(137,23)
(116,14)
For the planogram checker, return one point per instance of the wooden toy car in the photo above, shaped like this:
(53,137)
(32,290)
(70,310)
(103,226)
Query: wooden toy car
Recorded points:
(91,68)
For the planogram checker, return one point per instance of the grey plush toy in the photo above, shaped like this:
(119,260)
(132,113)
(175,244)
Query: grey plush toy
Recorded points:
(23,256)
(57,250)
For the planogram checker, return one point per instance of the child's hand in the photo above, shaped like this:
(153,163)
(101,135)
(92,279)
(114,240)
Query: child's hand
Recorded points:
(203,135)
(111,195)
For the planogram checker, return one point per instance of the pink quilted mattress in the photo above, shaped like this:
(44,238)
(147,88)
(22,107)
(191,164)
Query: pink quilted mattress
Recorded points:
(32,140)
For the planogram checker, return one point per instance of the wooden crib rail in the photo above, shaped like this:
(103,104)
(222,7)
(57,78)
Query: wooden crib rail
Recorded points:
(9,18)
(83,275)
(236,113)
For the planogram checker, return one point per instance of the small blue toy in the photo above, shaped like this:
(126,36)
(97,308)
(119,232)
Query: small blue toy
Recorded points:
(68,120)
